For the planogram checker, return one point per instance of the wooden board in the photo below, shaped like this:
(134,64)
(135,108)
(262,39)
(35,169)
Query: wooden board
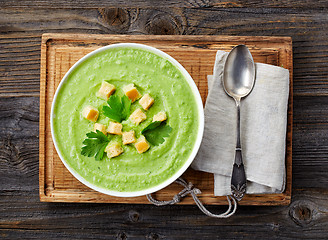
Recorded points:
(196,53)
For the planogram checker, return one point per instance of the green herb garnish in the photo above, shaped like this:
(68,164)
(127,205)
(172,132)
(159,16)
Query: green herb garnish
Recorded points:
(156,132)
(95,145)
(119,109)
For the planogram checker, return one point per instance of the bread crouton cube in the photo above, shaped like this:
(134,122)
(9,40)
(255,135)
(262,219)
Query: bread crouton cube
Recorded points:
(131,92)
(138,116)
(141,145)
(161,116)
(113,150)
(128,137)
(146,101)
(105,90)
(90,113)
(100,127)
(114,128)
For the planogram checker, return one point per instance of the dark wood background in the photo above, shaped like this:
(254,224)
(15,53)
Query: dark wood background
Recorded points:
(21,25)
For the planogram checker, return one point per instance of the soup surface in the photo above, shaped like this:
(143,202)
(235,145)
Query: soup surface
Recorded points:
(151,74)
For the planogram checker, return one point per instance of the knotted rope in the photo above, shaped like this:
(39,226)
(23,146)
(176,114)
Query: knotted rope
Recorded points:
(190,189)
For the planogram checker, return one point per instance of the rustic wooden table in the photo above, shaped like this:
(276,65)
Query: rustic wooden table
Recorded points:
(22,22)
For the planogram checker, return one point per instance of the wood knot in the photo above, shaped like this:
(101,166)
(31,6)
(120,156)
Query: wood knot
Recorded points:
(121,236)
(275,227)
(301,213)
(162,23)
(116,19)
(134,216)
(16,160)
(153,236)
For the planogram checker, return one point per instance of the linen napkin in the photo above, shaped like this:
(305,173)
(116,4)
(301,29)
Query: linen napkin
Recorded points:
(263,131)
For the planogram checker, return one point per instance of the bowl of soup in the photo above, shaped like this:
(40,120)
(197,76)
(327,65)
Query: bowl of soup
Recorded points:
(127,120)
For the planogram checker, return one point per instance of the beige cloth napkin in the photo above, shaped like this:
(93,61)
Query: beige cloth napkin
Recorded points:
(263,131)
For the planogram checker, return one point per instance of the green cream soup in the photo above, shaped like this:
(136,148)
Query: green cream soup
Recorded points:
(151,74)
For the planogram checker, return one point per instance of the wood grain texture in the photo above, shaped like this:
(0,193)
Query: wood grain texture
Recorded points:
(307,27)
(22,22)
(164,3)
(305,218)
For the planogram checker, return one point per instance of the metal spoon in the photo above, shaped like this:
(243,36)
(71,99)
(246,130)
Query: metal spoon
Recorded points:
(238,81)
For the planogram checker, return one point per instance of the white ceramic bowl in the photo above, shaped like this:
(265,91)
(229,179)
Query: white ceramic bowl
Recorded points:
(200,122)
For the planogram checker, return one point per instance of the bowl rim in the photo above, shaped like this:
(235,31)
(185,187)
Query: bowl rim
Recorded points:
(197,143)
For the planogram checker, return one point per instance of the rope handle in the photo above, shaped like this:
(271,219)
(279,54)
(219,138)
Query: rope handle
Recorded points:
(190,189)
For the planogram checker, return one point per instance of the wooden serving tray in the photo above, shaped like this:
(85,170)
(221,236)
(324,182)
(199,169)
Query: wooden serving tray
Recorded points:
(197,54)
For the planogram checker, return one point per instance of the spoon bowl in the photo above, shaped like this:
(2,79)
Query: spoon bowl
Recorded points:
(239,72)
(238,81)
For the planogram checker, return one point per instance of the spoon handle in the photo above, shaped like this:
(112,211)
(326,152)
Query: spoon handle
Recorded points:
(238,178)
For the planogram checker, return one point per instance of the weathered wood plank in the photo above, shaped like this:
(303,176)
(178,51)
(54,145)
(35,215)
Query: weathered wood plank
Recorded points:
(164,3)
(19,54)
(25,216)
(19,166)
(310,142)
(19,66)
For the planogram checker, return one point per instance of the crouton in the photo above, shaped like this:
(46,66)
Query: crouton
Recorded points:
(100,127)
(138,116)
(113,150)
(131,92)
(146,101)
(90,113)
(114,128)
(141,144)
(106,90)
(128,137)
(161,116)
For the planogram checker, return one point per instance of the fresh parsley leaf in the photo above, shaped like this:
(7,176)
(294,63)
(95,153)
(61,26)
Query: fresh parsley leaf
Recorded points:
(95,145)
(156,132)
(119,109)
(151,126)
